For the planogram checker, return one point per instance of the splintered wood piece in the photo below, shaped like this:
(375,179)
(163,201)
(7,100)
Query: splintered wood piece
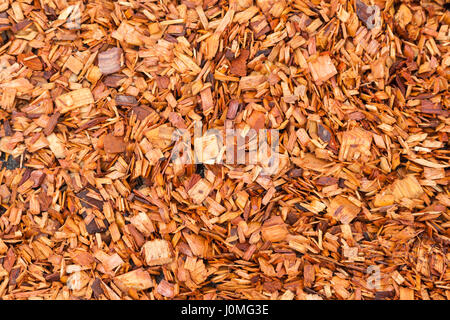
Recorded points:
(207,101)
(308,272)
(273,7)
(382,200)
(143,223)
(198,245)
(137,279)
(157,252)
(160,137)
(322,69)
(434,173)
(239,65)
(408,187)
(200,191)
(207,148)
(342,209)
(274,230)
(109,262)
(256,120)
(52,122)
(355,145)
(3,247)
(214,207)
(406,293)
(166,289)
(109,60)
(73,100)
(370,15)
(113,144)
(56,146)
(403,16)
(251,82)
(74,65)
(224,150)
(8,97)
(177,121)
(30,60)
(232,109)
(123,100)
(143,112)
(259,26)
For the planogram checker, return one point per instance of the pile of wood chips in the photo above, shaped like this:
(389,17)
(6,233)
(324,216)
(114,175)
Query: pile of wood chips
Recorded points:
(92,207)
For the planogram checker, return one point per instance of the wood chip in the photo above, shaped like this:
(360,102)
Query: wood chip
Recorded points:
(137,279)
(109,60)
(113,144)
(342,209)
(74,100)
(116,178)
(322,69)
(157,252)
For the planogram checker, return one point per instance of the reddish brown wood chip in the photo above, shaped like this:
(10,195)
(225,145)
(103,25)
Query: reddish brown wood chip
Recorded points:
(322,69)
(239,65)
(137,279)
(370,15)
(274,230)
(256,120)
(52,122)
(120,180)
(142,111)
(113,144)
(233,107)
(123,100)
(166,289)
(109,60)
(113,80)
(157,252)
(30,60)
(432,108)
